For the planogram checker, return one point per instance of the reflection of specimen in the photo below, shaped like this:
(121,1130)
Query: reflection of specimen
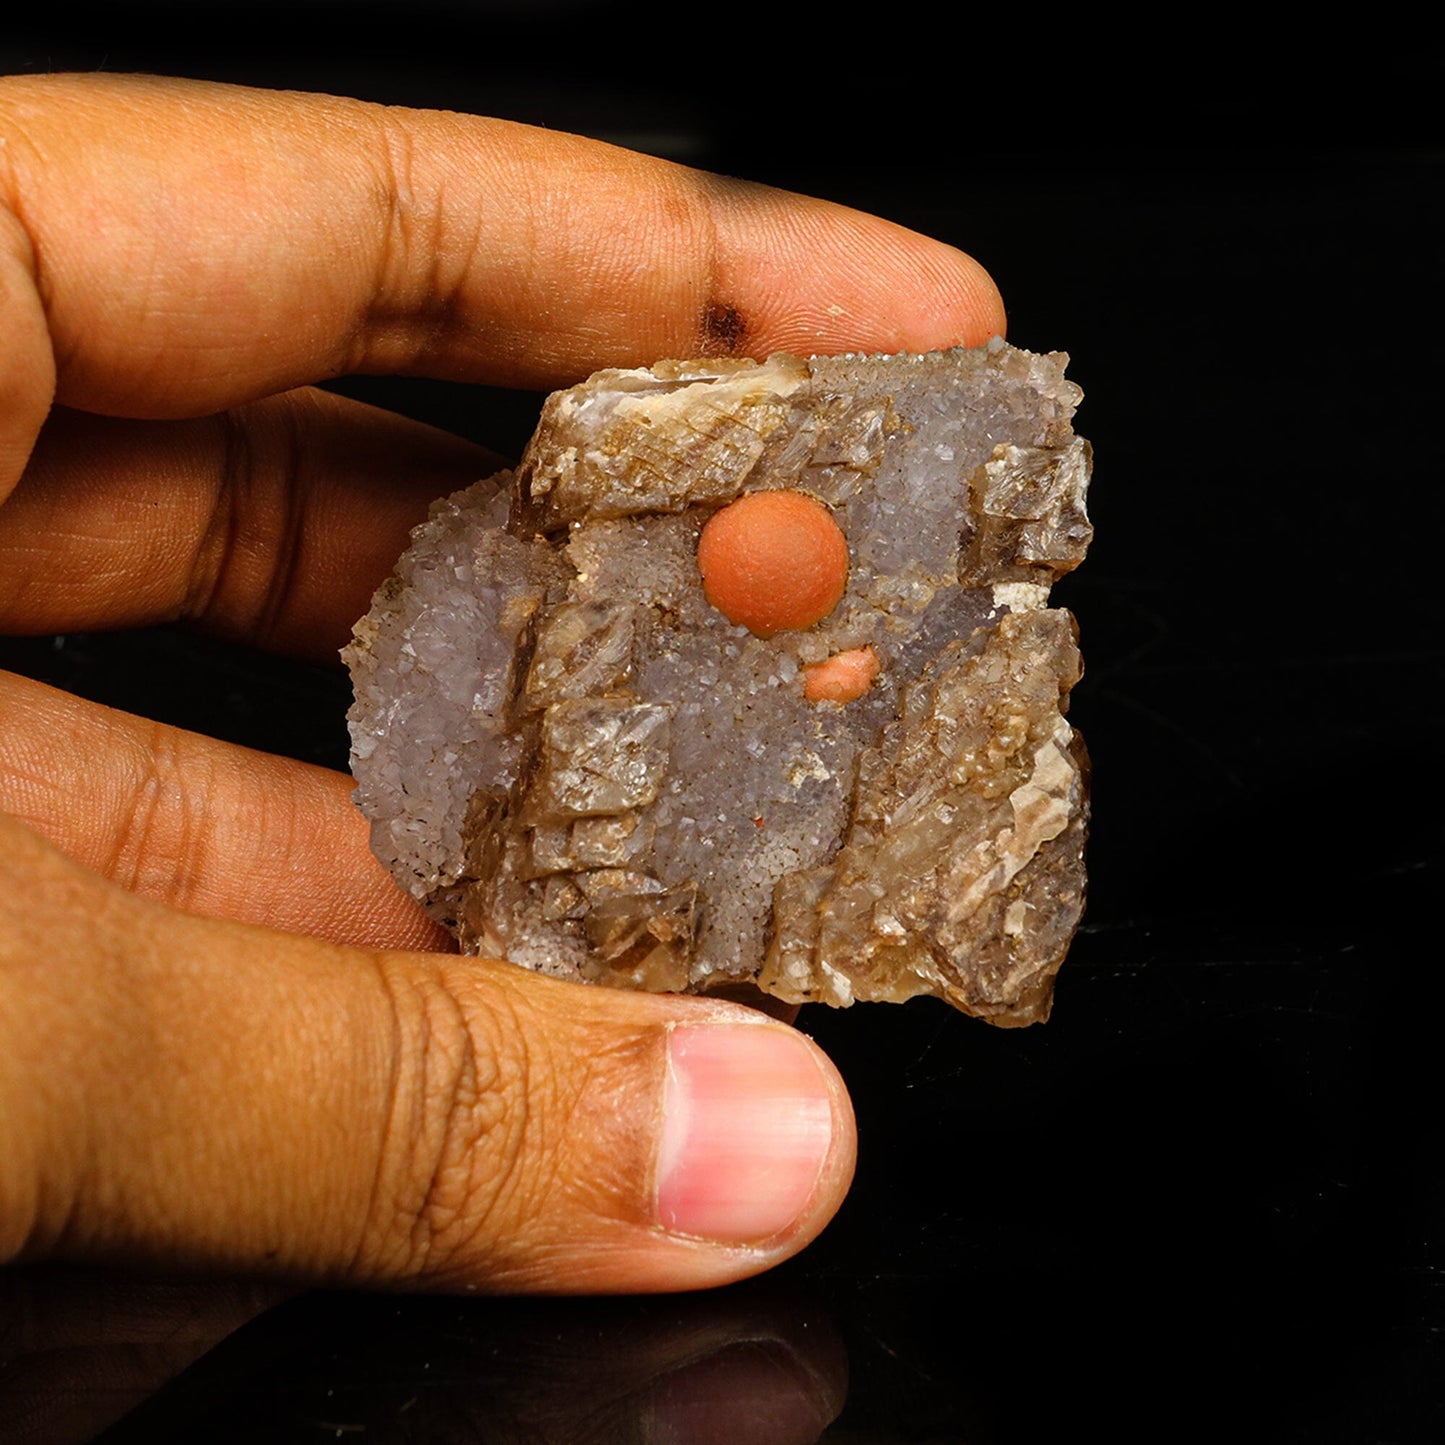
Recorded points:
(748,673)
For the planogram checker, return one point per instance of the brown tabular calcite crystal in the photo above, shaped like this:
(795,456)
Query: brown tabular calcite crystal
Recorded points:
(580,765)
(962,873)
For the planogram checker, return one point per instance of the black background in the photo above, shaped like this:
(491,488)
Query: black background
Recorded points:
(1207,1196)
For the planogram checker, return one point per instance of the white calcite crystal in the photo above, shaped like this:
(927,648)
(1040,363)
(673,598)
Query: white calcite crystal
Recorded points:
(578,764)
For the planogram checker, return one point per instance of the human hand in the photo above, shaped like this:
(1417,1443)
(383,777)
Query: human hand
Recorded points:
(223,1039)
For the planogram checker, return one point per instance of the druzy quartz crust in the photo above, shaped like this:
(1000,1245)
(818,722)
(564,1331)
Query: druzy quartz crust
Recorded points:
(575,760)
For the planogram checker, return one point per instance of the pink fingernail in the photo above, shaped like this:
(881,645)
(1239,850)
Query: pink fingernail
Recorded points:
(747,1125)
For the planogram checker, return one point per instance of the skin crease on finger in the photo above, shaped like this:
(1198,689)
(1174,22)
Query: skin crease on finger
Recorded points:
(199,1089)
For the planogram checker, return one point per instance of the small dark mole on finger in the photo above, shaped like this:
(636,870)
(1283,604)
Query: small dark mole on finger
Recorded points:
(723,329)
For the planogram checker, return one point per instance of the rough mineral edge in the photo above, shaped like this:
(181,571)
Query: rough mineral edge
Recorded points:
(574,761)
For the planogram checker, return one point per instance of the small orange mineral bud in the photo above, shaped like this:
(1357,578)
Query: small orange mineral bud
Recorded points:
(844,677)
(773,561)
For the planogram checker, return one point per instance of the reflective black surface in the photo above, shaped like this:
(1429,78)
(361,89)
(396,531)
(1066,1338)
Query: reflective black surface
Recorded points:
(1206,1199)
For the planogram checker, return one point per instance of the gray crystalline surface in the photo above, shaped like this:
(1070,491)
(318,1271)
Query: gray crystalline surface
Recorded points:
(573,759)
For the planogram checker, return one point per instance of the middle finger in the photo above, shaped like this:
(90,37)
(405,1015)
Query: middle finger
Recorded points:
(204,826)
(271,525)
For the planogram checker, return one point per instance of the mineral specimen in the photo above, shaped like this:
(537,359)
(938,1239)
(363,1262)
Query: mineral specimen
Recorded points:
(581,764)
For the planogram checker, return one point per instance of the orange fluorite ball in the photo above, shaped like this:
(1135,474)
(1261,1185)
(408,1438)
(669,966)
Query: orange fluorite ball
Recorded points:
(773,561)
(844,677)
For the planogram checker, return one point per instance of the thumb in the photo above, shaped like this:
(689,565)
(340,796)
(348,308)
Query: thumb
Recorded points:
(212,1093)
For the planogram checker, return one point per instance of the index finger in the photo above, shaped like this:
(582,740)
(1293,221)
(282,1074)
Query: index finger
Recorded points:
(190,246)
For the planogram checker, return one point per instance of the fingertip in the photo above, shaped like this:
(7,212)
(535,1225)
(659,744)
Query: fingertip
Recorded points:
(696,1143)
(825,279)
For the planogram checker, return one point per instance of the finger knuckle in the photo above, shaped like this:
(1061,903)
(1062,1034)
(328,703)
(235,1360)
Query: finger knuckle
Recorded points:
(163,835)
(412,308)
(247,559)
